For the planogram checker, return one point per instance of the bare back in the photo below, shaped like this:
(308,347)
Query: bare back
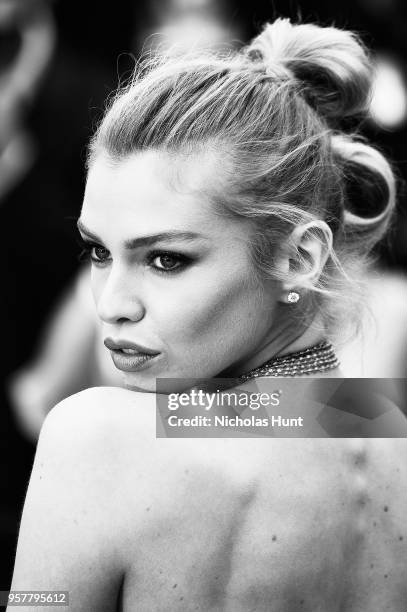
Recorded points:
(126,521)
(264,524)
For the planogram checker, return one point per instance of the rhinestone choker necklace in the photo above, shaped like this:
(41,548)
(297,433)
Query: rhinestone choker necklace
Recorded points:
(318,358)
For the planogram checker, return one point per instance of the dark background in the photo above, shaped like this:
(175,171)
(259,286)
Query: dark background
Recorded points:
(38,240)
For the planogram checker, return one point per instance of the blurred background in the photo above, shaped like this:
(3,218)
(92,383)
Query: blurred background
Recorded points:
(59,60)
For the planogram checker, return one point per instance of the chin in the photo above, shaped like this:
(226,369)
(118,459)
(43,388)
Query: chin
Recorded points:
(165,385)
(140,385)
(137,388)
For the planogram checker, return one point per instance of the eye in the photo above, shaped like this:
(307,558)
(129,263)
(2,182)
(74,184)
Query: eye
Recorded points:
(168,262)
(99,254)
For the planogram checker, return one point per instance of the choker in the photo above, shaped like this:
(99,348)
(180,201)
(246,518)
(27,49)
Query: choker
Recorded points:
(318,358)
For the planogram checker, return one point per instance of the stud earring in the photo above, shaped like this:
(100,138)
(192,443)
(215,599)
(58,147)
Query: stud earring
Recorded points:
(293,297)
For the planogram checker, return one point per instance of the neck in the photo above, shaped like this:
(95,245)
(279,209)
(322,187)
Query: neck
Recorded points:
(285,338)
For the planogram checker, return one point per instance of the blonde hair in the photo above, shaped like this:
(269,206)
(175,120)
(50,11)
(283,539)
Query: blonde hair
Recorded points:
(274,110)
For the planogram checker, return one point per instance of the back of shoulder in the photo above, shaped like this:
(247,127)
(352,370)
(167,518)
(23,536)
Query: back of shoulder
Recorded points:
(99,403)
(114,424)
(97,417)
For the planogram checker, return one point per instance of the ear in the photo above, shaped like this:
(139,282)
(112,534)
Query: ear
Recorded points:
(303,259)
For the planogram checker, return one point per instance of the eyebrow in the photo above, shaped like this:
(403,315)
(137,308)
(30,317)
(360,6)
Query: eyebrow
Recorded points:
(134,243)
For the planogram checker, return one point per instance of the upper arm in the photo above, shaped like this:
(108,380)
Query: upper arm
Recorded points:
(69,536)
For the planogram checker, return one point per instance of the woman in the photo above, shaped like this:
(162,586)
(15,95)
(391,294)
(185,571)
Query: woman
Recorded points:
(219,220)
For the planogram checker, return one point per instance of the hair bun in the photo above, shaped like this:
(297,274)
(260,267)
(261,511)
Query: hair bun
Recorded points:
(371,180)
(332,64)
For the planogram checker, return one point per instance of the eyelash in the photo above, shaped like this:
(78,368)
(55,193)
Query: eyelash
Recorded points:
(87,248)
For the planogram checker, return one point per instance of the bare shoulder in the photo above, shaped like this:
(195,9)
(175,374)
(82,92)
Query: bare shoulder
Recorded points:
(117,427)
(101,402)
(154,481)
(90,439)
(87,417)
(108,435)
(85,438)
(74,494)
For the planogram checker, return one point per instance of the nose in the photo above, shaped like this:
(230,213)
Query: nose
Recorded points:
(119,301)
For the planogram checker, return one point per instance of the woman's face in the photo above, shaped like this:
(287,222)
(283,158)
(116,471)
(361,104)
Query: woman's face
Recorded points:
(172,280)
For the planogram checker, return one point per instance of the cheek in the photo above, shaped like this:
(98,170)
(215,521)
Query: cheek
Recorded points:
(98,279)
(95,285)
(206,311)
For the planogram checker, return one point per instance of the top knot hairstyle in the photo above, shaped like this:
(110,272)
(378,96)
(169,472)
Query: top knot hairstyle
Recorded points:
(331,65)
(273,110)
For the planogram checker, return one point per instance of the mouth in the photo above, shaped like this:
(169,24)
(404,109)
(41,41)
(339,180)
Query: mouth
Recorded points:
(129,356)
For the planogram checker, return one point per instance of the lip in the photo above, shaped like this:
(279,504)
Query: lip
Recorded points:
(139,360)
(118,345)
(132,363)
